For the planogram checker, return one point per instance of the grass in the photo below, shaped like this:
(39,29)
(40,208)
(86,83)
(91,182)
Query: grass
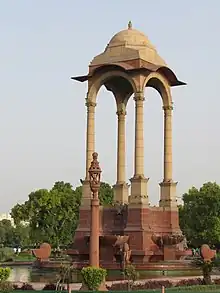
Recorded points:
(187,289)
(35,291)
(24,257)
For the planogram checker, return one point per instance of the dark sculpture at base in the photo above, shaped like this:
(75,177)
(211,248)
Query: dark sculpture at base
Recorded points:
(123,250)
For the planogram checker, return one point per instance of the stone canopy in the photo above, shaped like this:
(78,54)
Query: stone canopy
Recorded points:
(130,50)
(129,44)
(128,65)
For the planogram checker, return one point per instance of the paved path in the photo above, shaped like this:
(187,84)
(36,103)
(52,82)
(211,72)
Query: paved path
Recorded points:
(77,286)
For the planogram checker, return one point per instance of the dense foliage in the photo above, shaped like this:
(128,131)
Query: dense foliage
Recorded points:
(200,215)
(106,194)
(93,277)
(5,286)
(53,214)
(13,236)
(6,254)
(4,274)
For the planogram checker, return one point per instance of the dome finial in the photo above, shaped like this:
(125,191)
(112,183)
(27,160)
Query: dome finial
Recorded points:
(129,25)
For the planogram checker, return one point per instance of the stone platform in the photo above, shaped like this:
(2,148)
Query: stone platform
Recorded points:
(153,235)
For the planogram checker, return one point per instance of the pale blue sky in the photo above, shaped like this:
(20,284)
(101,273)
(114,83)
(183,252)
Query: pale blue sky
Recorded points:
(42,113)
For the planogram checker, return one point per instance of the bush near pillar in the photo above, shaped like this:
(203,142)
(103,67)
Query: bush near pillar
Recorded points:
(4,274)
(93,277)
(4,285)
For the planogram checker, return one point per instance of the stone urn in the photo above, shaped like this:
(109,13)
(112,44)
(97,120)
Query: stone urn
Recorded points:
(167,239)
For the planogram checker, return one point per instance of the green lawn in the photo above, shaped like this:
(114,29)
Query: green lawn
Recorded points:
(24,257)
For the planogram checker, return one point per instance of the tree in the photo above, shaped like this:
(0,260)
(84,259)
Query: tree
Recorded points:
(20,213)
(6,233)
(11,236)
(106,194)
(52,215)
(21,235)
(200,215)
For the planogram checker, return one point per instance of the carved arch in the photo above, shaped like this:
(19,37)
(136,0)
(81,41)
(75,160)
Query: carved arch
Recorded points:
(159,83)
(95,85)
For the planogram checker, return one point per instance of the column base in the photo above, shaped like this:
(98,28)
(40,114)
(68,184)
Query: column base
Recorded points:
(139,193)
(121,192)
(86,194)
(168,194)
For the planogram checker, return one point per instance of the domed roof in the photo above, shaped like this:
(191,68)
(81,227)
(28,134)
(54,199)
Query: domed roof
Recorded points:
(130,37)
(126,45)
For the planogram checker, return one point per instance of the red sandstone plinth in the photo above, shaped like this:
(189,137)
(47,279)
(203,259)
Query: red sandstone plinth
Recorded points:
(140,224)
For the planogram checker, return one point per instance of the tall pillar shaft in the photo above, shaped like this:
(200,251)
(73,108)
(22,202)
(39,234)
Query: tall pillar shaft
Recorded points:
(90,139)
(139,135)
(121,147)
(121,187)
(90,148)
(167,143)
(168,187)
(139,182)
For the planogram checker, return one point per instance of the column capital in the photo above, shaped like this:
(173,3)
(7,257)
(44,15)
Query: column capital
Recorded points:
(121,112)
(168,108)
(139,96)
(90,103)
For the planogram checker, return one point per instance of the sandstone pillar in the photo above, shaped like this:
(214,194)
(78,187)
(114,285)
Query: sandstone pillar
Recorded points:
(94,234)
(168,187)
(121,187)
(90,148)
(139,135)
(121,146)
(167,143)
(139,182)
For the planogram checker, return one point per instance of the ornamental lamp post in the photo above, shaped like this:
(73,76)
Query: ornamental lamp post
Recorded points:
(94,179)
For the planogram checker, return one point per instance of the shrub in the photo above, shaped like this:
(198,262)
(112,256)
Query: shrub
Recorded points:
(141,286)
(26,286)
(157,284)
(4,274)
(131,275)
(93,277)
(6,287)
(6,254)
(189,285)
(49,287)
(15,287)
(189,282)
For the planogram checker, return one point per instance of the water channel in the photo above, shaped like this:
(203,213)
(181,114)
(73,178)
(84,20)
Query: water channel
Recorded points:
(30,274)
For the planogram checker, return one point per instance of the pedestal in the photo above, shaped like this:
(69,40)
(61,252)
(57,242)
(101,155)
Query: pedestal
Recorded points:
(168,194)
(169,252)
(86,194)
(139,191)
(121,192)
